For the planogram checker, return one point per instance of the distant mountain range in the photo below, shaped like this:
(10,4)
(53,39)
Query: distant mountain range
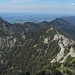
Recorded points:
(24,17)
(43,48)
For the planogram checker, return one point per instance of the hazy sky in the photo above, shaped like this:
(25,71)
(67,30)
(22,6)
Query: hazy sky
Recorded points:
(38,6)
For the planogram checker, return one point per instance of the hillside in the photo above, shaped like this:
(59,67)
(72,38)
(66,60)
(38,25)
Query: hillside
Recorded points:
(35,49)
(65,27)
(70,19)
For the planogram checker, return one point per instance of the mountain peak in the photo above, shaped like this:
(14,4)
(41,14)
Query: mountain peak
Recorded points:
(60,20)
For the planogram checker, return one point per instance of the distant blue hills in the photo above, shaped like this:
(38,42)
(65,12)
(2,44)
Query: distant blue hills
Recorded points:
(27,17)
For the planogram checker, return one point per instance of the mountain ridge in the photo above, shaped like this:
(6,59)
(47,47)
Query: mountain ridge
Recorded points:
(70,19)
(28,49)
(58,23)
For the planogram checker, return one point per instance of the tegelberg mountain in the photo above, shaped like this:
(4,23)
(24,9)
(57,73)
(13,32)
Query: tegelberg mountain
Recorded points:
(45,48)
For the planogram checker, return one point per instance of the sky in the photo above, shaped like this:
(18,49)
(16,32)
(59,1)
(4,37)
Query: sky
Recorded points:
(38,6)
